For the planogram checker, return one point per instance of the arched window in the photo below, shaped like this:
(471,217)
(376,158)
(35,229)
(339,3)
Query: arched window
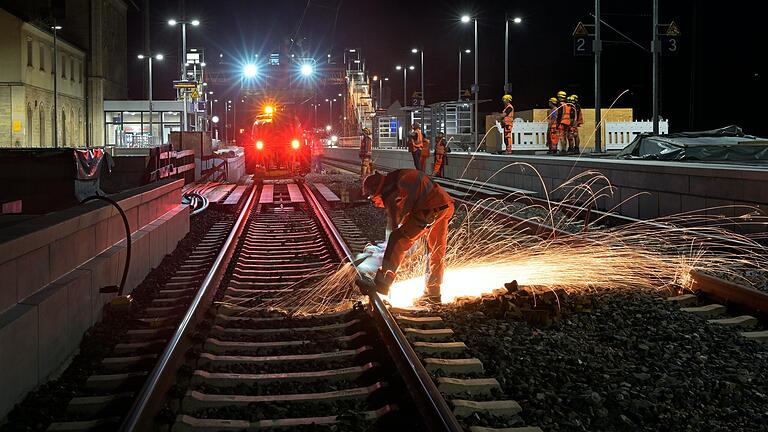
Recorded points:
(63,128)
(29,126)
(42,126)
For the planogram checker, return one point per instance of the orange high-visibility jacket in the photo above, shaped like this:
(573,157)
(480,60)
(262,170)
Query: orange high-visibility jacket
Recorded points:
(408,190)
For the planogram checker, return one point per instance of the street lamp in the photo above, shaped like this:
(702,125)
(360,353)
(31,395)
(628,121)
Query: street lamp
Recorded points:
(55,28)
(173,22)
(416,50)
(149,59)
(466,51)
(476,85)
(330,110)
(405,81)
(507,85)
(307,70)
(250,70)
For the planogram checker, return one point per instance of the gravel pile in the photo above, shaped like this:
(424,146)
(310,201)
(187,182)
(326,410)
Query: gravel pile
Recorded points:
(619,361)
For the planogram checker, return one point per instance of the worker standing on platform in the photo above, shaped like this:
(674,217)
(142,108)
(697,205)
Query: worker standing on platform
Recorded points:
(416,207)
(564,122)
(415,144)
(441,157)
(425,147)
(508,121)
(366,152)
(573,100)
(318,150)
(552,136)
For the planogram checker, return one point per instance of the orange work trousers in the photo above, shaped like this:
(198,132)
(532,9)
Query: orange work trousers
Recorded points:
(430,223)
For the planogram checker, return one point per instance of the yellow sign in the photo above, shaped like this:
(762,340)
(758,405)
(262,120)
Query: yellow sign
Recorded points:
(673,30)
(195,94)
(17,125)
(580,30)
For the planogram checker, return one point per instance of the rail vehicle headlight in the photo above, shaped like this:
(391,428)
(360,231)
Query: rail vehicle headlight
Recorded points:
(259,145)
(295,144)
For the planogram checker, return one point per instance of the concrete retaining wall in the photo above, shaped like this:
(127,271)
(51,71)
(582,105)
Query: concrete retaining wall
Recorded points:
(674,186)
(51,269)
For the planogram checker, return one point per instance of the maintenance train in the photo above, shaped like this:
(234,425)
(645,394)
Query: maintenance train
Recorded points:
(278,143)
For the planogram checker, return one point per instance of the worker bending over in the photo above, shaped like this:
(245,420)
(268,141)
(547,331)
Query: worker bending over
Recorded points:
(415,207)
(366,152)
(508,120)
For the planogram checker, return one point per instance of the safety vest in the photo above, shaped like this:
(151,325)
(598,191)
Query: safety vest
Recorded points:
(509,115)
(366,145)
(566,116)
(415,142)
(418,189)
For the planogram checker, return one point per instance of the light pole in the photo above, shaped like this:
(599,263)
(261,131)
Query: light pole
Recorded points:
(507,85)
(330,109)
(466,51)
(476,85)
(598,47)
(226,122)
(55,28)
(173,22)
(210,97)
(405,81)
(149,59)
(421,51)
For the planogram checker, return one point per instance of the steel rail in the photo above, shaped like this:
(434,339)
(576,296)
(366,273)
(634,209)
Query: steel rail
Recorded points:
(150,399)
(730,292)
(433,408)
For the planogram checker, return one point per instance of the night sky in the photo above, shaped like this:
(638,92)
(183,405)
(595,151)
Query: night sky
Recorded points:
(717,79)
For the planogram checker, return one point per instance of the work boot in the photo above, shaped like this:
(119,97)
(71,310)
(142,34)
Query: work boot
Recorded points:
(427,300)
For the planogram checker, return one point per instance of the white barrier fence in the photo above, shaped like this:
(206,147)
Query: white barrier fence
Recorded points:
(533,135)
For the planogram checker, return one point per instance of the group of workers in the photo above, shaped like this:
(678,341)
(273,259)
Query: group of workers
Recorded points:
(564,118)
(418,146)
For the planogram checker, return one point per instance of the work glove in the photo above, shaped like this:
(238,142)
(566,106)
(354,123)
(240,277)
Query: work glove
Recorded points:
(380,283)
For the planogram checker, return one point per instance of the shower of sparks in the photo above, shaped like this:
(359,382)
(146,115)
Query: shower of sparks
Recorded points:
(485,252)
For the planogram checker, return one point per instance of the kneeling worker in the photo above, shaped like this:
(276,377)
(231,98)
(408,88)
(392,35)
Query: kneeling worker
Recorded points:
(415,207)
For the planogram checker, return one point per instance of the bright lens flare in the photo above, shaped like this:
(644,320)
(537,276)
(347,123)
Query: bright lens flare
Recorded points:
(259,145)
(295,144)
(269,109)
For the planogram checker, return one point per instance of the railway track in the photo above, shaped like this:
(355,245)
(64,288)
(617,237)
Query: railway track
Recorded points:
(201,355)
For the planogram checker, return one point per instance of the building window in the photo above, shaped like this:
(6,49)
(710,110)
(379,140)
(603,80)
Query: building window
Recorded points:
(42,126)
(42,57)
(72,70)
(63,67)
(29,52)
(29,127)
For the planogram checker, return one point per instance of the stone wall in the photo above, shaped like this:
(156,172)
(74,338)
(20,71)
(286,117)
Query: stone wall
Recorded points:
(52,268)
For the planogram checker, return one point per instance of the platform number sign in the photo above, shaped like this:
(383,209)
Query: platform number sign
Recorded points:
(582,41)
(670,40)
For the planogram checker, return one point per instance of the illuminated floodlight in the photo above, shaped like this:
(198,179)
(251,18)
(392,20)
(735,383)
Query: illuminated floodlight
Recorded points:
(334,138)
(328,128)
(195,22)
(465,18)
(307,69)
(259,145)
(375,78)
(467,51)
(172,22)
(215,119)
(414,50)
(140,56)
(249,70)
(159,57)
(295,144)
(517,20)
(411,67)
